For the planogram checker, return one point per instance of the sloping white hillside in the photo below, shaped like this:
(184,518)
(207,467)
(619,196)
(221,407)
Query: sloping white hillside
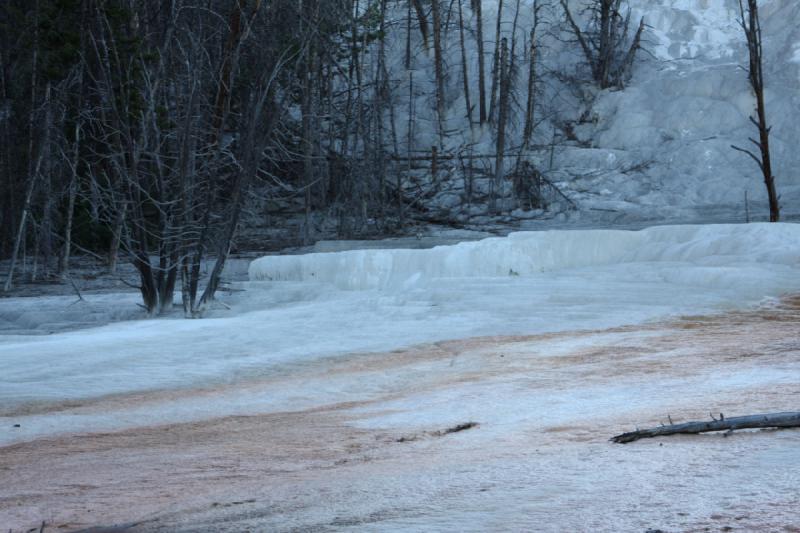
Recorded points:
(691,101)
(658,150)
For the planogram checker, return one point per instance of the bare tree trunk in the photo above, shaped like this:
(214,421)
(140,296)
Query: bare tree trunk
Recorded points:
(7,201)
(514,25)
(439,67)
(73,192)
(32,179)
(587,50)
(380,104)
(409,147)
(501,120)
(482,114)
(26,206)
(33,168)
(531,101)
(627,64)
(464,64)
(73,181)
(116,237)
(495,62)
(751,25)
(606,41)
(530,105)
(408,38)
(44,248)
(309,120)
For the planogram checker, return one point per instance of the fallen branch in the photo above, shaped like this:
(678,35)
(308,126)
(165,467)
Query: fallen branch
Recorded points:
(441,433)
(771,420)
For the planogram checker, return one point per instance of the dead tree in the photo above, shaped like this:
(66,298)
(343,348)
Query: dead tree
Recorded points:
(33,168)
(752,30)
(439,67)
(464,64)
(530,103)
(75,160)
(495,63)
(772,420)
(33,179)
(476,8)
(604,42)
(310,9)
(502,119)
(72,192)
(258,129)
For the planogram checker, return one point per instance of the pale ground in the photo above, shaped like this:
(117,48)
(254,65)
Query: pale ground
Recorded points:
(369,458)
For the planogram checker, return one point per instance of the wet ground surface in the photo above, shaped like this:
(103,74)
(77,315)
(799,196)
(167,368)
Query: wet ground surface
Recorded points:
(367,446)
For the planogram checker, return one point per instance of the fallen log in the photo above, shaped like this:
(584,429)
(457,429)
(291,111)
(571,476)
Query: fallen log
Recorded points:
(771,420)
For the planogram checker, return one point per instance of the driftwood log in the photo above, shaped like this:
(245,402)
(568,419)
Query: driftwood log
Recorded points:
(771,420)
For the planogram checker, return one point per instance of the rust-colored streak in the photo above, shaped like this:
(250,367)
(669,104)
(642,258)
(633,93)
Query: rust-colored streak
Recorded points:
(146,473)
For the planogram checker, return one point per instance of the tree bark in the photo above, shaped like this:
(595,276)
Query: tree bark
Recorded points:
(501,122)
(531,101)
(495,62)
(464,64)
(32,179)
(751,25)
(73,182)
(476,8)
(771,420)
(439,68)
(310,121)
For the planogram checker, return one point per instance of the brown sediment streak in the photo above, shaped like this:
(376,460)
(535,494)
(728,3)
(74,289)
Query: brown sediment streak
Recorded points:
(784,310)
(144,473)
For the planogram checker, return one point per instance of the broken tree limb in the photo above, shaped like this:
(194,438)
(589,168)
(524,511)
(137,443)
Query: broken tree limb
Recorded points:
(771,420)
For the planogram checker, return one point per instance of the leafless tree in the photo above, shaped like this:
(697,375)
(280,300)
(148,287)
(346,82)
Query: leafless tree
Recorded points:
(605,42)
(478,10)
(751,25)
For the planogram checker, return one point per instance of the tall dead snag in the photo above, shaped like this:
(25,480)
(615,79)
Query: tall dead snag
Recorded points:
(604,42)
(381,96)
(752,30)
(476,8)
(32,181)
(75,162)
(531,100)
(310,11)
(33,169)
(495,62)
(26,207)
(503,105)
(439,67)
(772,420)
(408,37)
(72,194)
(464,64)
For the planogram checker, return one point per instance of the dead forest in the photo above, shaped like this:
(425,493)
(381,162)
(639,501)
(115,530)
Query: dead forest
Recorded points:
(148,131)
